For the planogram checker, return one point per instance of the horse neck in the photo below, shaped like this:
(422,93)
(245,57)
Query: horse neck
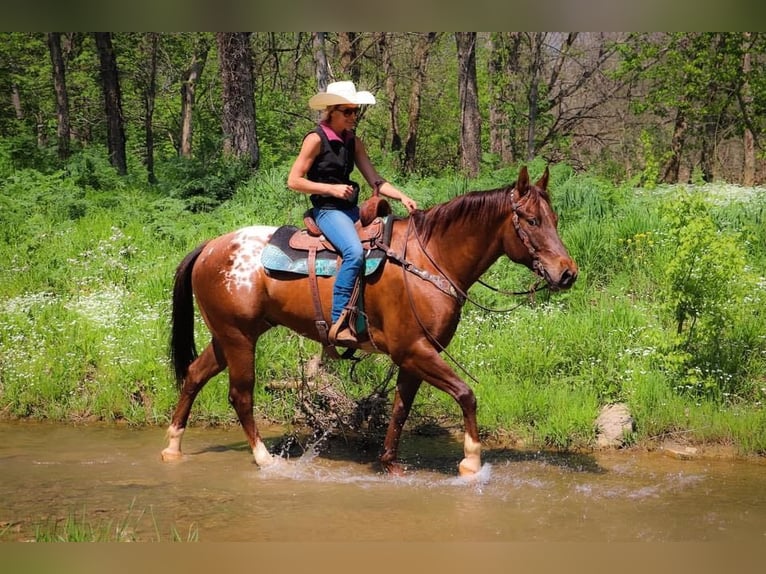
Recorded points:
(464,250)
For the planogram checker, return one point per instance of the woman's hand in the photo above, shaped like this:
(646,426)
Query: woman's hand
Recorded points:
(409,203)
(340,190)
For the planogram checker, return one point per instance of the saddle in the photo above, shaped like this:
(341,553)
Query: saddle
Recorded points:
(306,251)
(308,238)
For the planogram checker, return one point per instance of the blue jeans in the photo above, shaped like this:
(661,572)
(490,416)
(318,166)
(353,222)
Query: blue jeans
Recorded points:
(338,227)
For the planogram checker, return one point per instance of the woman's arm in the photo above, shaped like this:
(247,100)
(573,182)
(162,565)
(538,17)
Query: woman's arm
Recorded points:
(369,172)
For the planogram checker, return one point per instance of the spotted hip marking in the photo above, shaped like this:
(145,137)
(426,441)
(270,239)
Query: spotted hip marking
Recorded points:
(245,256)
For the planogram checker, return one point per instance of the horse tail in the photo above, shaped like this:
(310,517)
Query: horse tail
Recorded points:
(183,350)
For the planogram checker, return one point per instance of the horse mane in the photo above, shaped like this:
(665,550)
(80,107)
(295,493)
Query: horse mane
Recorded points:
(474,206)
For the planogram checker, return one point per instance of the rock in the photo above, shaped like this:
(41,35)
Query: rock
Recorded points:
(613,424)
(679,451)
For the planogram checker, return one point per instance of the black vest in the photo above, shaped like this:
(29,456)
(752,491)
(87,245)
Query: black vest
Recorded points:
(333,164)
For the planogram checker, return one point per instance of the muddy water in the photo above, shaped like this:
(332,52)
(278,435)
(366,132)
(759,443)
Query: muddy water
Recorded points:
(113,475)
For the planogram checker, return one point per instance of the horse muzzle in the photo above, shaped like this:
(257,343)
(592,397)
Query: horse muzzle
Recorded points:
(564,277)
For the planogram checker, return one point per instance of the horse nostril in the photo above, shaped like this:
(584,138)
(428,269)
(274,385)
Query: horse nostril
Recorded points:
(567,278)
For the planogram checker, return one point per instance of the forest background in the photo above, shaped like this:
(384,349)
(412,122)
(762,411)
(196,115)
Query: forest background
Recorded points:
(119,152)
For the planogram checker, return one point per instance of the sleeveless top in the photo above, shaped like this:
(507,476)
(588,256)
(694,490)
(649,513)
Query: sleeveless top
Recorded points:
(334,164)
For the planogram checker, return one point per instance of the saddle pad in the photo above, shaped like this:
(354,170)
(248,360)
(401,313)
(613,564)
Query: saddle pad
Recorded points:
(279,256)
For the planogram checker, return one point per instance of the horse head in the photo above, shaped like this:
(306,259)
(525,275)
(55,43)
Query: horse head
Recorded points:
(535,240)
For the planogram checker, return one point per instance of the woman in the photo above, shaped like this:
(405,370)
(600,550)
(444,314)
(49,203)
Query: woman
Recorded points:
(322,169)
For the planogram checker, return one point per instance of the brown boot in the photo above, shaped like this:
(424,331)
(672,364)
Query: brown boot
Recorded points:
(340,334)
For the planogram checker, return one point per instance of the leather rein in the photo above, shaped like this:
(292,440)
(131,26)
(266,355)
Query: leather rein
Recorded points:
(448,286)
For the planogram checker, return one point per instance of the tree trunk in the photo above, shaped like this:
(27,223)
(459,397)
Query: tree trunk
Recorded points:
(672,170)
(422,51)
(238,122)
(470,120)
(707,154)
(63,130)
(188,91)
(110,84)
(710,115)
(321,68)
(349,63)
(503,69)
(150,93)
(535,70)
(16,101)
(498,120)
(746,101)
(393,99)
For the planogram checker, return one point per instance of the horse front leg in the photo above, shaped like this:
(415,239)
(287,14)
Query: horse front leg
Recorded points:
(407,385)
(205,367)
(429,366)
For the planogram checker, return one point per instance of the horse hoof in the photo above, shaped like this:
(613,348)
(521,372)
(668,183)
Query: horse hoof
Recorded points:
(169,455)
(273,462)
(469,468)
(394,468)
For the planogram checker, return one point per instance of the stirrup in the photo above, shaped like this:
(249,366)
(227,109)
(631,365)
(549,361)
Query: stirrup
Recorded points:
(341,333)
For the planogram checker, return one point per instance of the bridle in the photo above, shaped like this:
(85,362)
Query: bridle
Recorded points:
(537,267)
(458,293)
(448,286)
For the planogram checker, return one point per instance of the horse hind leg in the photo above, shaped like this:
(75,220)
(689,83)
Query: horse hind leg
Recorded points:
(407,385)
(241,359)
(210,362)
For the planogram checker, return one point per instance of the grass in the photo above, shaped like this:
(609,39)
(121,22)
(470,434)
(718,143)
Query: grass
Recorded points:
(81,526)
(85,278)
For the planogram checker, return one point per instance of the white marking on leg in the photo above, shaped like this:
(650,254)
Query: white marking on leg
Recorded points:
(471,464)
(173,450)
(246,256)
(262,455)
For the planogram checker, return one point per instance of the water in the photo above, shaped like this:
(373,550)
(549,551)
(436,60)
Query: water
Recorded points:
(113,475)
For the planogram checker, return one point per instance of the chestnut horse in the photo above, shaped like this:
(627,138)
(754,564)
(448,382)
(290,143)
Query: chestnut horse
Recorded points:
(412,305)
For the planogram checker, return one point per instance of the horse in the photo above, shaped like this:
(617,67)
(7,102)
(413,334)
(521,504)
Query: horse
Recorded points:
(412,305)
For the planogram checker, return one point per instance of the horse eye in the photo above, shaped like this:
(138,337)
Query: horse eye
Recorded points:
(532,221)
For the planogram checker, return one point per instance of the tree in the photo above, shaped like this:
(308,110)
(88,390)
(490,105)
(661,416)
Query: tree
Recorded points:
(392,98)
(188,90)
(238,121)
(62,97)
(349,56)
(110,85)
(148,82)
(421,53)
(745,99)
(698,80)
(321,68)
(503,64)
(470,120)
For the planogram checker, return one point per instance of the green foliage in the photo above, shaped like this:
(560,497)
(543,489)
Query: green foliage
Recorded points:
(705,281)
(203,185)
(82,527)
(86,264)
(653,162)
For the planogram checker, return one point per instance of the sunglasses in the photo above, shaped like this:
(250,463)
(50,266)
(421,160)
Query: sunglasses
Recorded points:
(348,111)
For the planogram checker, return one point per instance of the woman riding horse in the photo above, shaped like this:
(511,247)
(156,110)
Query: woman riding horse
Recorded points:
(323,168)
(412,304)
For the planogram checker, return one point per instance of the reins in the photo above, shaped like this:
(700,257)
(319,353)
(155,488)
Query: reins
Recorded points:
(463,295)
(448,286)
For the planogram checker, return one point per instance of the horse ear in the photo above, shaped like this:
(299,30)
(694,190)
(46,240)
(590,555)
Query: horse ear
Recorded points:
(522,184)
(542,183)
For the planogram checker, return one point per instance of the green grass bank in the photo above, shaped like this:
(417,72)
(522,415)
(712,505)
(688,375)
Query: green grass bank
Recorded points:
(666,316)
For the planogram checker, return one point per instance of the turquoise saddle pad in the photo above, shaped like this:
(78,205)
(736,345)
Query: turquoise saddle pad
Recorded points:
(279,256)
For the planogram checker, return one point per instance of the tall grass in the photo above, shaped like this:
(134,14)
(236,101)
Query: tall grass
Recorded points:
(86,262)
(131,527)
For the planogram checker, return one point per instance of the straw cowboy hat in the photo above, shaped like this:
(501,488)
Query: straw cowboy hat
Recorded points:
(340,93)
